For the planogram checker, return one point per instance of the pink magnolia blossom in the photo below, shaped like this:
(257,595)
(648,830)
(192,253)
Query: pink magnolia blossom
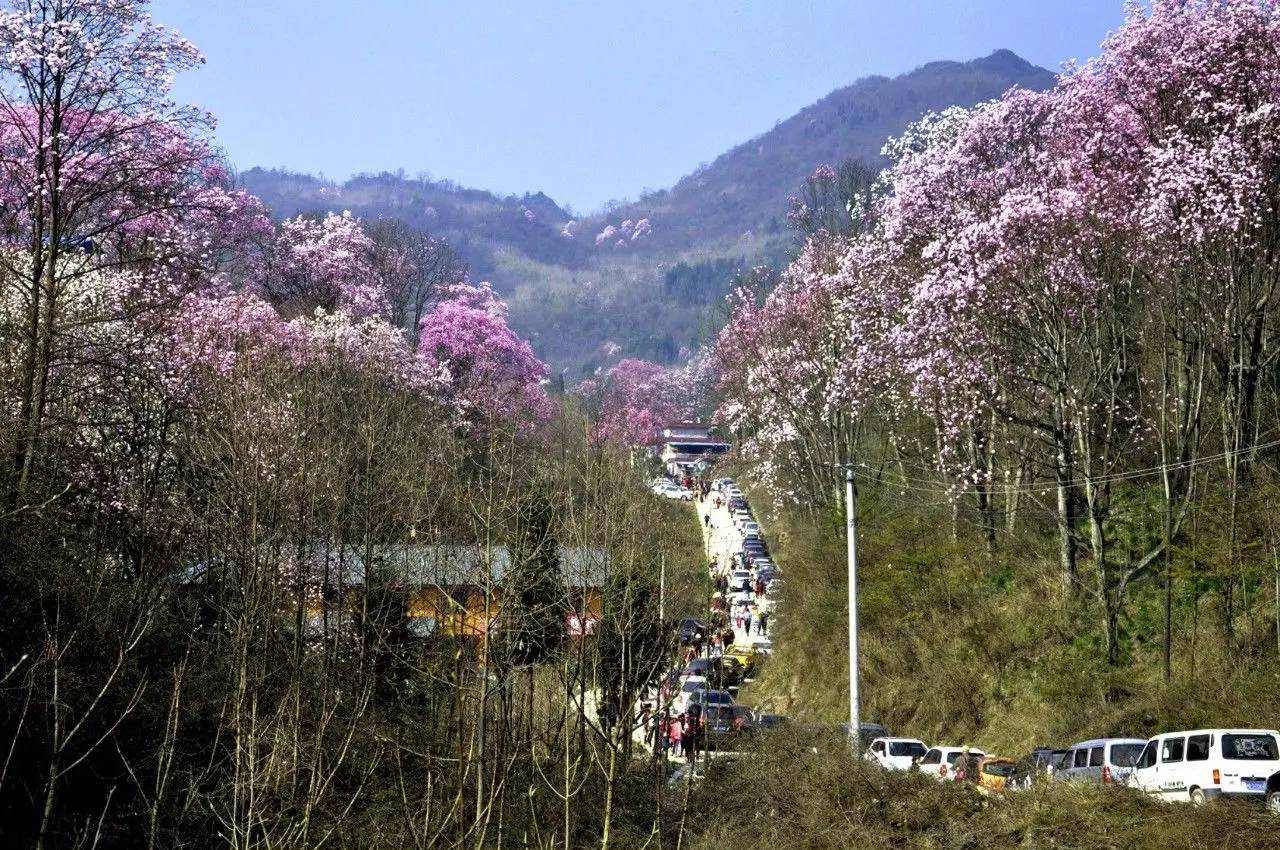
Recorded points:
(493,374)
(636,398)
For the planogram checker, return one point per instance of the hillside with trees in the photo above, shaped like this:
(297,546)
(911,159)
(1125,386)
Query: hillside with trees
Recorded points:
(303,545)
(1045,343)
(589,290)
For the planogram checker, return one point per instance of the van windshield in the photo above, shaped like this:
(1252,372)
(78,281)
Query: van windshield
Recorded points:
(1126,755)
(1250,747)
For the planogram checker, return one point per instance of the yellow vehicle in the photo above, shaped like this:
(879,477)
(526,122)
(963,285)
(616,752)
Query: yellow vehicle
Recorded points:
(994,772)
(747,656)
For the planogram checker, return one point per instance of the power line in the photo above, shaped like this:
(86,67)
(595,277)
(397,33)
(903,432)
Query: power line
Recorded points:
(932,485)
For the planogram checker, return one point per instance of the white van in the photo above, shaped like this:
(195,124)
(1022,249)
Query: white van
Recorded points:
(941,761)
(1204,763)
(1102,760)
(896,753)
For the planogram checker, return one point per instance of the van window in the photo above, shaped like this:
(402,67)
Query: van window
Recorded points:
(1171,750)
(1148,757)
(1082,758)
(1249,747)
(932,757)
(878,747)
(1124,755)
(1198,748)
(1095,757)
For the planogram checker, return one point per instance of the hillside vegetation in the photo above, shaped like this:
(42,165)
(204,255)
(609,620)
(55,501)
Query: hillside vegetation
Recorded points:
(1045,343)
(585,302)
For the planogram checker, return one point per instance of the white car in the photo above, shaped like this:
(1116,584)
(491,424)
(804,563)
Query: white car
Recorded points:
(750,528)
(672,491)
(940,762)
(1202,764)
(688,685)
(896,753)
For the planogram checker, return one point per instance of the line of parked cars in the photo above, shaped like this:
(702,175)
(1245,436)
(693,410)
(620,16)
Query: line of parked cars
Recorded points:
(1193,766)
(703,687)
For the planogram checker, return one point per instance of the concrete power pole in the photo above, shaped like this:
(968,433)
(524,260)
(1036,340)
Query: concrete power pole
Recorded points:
(851,530)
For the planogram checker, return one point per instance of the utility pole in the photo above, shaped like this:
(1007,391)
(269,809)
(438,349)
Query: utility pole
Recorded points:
(851,531)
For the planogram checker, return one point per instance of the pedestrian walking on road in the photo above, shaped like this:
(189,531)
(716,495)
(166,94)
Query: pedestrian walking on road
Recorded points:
(764,623)
(746,623)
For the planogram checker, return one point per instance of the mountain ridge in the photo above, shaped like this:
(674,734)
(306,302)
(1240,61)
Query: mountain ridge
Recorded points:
(587,291)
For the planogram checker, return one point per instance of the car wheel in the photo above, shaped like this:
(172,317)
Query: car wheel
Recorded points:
(1273,801)
(1197,796)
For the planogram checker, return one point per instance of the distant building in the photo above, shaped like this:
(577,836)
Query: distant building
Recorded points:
(689,447)
(452,591)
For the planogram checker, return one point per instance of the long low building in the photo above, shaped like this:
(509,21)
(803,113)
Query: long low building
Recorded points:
(448,591)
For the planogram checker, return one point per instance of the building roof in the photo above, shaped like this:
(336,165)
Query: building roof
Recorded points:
(695,441)
(421,565)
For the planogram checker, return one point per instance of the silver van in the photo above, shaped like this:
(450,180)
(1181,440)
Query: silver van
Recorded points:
(1100,761)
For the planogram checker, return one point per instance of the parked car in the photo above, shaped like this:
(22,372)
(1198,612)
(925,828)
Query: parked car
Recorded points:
(705,698)
(718,672)
(1102,760)
(746,655)
(690,686)
(867,732)
(725,726)
(692,630)
(766,720)
(941,761)
(1203,764)
(732,669)
(995,772)
(1036,766)
(896,753)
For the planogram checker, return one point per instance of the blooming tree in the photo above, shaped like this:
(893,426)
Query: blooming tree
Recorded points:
(636,398)
(493,373)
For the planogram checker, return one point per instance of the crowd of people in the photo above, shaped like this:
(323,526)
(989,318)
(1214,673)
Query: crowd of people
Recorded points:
(729,640)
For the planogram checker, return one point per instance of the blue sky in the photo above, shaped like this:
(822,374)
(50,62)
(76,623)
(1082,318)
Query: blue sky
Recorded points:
(587,101)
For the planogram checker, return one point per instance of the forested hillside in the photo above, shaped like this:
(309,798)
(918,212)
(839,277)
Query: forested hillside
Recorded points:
(648,278)
(303,544)
(1046,346)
